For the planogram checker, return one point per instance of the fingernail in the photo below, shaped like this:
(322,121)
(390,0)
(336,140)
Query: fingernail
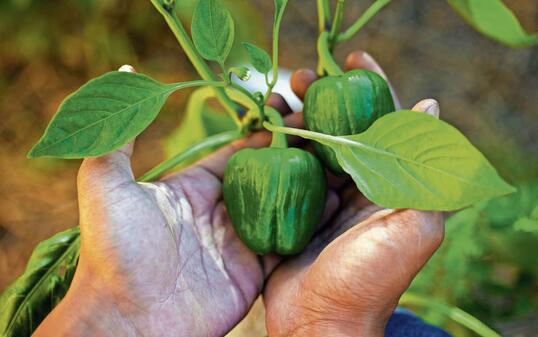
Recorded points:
(127,68)
(429,106)
(368,58)
(432,108)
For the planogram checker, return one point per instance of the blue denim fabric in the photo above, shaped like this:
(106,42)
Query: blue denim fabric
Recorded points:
(403,323)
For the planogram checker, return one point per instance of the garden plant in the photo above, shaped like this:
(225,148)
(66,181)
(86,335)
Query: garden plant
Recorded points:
(274,196)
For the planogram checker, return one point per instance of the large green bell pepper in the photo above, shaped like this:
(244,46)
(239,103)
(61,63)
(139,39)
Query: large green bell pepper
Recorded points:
(274,196)
(345,105)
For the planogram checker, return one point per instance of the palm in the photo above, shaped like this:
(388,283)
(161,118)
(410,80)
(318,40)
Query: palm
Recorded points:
(170,250)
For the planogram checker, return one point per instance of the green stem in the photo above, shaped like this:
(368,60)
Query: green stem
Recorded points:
(276,33)
(365,17)
(306,134)
(269,91)
(279,139)
(337,23)
(324,15)
(248,94)
(199,64)
(198,83)
(205,144)
(326,60)
(454,313)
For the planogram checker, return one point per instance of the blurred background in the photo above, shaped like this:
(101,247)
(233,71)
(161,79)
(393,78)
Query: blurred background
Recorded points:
(488,264)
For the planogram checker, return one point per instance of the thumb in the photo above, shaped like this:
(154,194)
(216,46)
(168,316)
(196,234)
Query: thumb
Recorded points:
(101,174)
(379,257)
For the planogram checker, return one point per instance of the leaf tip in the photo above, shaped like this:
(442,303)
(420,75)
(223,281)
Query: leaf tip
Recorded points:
(34,152)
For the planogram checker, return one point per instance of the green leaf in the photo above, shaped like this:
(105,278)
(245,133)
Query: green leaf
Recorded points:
(413,160)
(248,22)
(104,114)
(493,19)
(258,57)
(212,30)
(409,159)
(42,285)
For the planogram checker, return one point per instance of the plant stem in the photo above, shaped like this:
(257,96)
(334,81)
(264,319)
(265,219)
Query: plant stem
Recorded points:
(279,139)
(199,64)
(454,313)
(306,134)
(364,18)
(205,144)
(337,23)
(279,13)
(326,60)
(270,87)
(324,15)
(248,94)
(198,83)
(276,33)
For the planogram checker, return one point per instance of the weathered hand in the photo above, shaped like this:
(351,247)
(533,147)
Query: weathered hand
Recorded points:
(351,276)
(158,259)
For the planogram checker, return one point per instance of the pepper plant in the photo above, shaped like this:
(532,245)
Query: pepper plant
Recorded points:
(397,159)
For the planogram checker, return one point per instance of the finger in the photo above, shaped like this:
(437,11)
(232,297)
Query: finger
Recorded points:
(216,162)
(278,102)
(429,106)
(108,171)
(301,80)
(362,60)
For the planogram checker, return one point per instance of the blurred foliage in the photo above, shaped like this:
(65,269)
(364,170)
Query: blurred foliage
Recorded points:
(49,48)
(487,265)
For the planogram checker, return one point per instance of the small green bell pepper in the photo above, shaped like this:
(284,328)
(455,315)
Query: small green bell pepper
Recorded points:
(345,105)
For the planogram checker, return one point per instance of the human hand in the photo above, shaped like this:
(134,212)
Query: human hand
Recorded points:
(349,279)
(158,259)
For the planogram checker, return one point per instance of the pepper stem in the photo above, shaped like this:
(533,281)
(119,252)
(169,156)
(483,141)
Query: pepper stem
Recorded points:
(326,59)
(279,139)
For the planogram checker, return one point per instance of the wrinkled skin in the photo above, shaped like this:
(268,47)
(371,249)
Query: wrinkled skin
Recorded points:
(162,259)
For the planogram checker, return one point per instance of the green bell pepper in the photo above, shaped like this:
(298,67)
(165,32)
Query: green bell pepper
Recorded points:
(345,105)
(274,196)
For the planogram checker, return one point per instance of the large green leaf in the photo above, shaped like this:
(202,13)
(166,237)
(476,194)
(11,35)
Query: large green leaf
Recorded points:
(408,159)
(104,114)
(41,287)
(493,19)
(412,160)
(212,30)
